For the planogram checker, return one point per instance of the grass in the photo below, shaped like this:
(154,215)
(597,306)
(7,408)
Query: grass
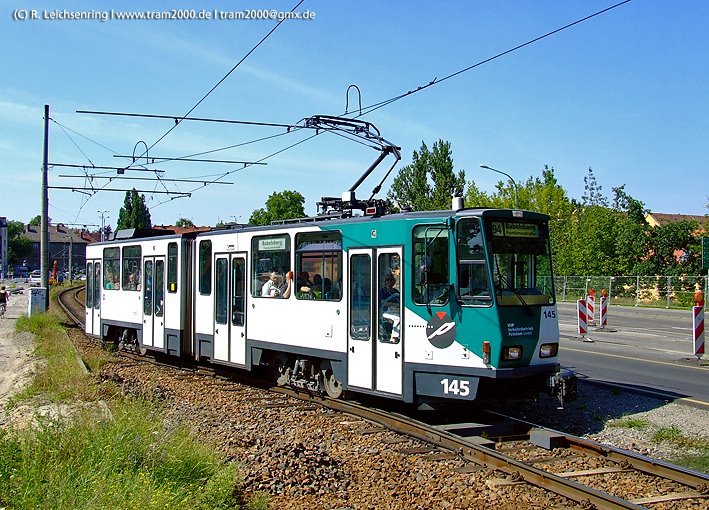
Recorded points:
(132,459)
(630,423)
(60,375)
(698,461)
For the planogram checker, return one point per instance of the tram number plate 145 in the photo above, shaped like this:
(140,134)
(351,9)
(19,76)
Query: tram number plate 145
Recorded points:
(456,387)
(446,386)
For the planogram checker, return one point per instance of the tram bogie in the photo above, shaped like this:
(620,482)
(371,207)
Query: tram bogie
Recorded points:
(449,305)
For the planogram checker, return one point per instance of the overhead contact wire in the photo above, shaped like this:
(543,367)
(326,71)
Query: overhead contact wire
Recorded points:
(225,77)
(369,109)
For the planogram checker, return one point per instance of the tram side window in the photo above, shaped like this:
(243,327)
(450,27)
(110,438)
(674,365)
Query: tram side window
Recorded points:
(111,268)
(318,266)
(270,262)
(172,267)
(473,285)
(360,297)
(205,267)
(89,285)
(430,275)
(221,305)
(97,285)
(131,268)
(238,286)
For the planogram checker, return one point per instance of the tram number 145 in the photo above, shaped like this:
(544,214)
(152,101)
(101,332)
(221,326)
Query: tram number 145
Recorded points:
(456,387)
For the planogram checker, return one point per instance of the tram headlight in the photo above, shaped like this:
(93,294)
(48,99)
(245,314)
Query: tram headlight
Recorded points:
(548,350)
(486,352)
(512,353)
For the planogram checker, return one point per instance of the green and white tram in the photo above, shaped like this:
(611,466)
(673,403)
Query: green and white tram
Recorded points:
(414,306)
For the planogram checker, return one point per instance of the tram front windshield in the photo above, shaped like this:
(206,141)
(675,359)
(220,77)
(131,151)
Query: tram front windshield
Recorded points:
(518,258)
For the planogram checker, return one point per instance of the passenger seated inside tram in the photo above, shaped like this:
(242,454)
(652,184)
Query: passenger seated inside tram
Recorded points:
(284,290)
(389,302)
(327,288)
(304,280)
(388,295)
(317,286)
(270,288)
(132,283)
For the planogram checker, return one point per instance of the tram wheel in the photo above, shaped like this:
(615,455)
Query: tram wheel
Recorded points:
(333,387)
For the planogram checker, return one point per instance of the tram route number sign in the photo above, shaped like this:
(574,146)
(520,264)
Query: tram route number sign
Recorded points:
(705,252)
(514,229)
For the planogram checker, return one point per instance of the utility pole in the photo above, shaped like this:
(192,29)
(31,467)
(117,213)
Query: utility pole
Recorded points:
(44,225)
(103,223)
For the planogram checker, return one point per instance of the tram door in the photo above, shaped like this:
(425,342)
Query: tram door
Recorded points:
(230,308)
(153,291)
(375,348)
(93,298)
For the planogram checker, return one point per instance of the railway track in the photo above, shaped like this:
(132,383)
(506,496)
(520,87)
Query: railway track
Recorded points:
(590,474)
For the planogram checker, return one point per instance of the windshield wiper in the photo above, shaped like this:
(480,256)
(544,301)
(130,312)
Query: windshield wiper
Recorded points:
(503,279)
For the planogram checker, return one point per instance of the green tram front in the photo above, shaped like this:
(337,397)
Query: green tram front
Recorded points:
(484,277)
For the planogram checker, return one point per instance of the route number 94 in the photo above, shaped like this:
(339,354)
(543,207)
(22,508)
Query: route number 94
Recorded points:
(456,387)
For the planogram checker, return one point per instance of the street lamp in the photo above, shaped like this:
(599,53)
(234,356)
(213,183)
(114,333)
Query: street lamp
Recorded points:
(509,177)
(104,215)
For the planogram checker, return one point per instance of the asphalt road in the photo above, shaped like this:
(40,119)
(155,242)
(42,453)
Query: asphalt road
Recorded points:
(647,349)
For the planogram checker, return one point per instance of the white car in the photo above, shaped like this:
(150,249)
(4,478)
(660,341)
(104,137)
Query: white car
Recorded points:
(35,279)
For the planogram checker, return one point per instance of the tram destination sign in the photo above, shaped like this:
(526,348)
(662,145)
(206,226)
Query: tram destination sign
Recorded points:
(514,229)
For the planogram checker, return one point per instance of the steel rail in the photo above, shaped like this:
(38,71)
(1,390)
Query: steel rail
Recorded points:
(78,321)
(656,467)
(642,463)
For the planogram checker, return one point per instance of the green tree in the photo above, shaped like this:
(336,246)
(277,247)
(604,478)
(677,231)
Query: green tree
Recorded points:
(675,249)
(430,181)
(282,205)
(632,236)
(184,223)
(18,246)
(592,191)
(598,233)
(474,197)
(36,221)
(134,213)
(545,195)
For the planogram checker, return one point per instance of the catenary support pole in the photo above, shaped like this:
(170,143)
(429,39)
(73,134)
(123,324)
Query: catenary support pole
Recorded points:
(44,239)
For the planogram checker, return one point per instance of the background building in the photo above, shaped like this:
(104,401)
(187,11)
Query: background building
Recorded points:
(64,243)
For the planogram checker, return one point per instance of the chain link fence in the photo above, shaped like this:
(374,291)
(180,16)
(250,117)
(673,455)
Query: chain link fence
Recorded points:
(648,291)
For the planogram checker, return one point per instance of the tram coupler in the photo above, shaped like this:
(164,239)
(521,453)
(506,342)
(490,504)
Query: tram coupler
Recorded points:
(563,385)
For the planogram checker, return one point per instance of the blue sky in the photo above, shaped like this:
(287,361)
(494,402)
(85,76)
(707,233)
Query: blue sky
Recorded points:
(624,93)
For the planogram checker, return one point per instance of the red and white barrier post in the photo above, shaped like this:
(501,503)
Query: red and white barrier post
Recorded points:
(591,305)
(582,314)
(604,311)
(698,329)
